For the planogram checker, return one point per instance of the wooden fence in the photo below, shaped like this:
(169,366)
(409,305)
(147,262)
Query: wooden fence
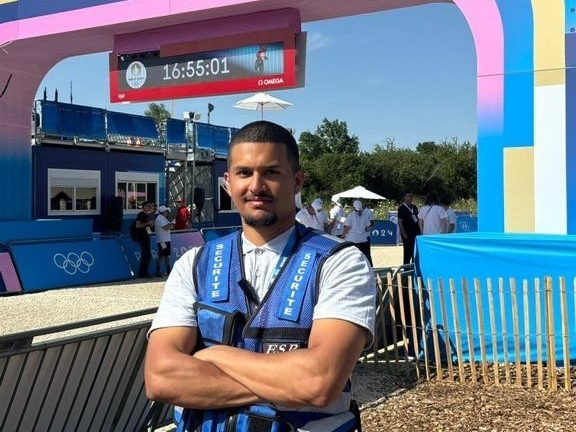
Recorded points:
(490,332)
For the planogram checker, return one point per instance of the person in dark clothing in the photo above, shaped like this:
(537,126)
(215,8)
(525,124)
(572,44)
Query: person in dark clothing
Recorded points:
(409,226)
(144,229)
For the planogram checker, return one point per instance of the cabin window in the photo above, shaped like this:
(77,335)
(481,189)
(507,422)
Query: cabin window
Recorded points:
(135,188)
(73,192)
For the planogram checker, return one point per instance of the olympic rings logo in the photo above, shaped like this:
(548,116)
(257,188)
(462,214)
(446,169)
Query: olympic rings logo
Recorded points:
(74,263)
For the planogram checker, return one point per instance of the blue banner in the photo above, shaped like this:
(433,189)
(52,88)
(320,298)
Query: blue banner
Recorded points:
(181,242)
(384,232)
(466,223)
(60,264)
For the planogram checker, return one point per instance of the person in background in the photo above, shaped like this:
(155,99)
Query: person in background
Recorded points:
(432,216)
(357,229)
(182,220)
(153,214)
(370,212)
(312,216)
(303,302)
(163,239)
(143,230)
(336,218)
(409,226)
(451,215)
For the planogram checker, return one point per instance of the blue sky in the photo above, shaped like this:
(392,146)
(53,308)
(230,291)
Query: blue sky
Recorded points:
(407,75)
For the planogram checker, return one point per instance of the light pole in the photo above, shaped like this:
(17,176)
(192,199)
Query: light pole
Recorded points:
(190,117)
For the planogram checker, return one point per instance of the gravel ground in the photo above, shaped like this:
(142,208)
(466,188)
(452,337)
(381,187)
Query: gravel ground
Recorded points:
(388,401)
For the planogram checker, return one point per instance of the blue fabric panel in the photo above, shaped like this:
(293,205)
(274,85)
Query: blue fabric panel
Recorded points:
(49,112)
(145,127)
(214,137)
(495,255)
(221,139)
(119,124)
(132,125)
(69,120)
(175,131)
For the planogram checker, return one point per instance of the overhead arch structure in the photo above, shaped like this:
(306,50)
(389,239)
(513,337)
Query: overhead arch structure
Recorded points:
(526,52)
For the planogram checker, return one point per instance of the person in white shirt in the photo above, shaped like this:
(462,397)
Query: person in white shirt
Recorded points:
(336,218)
(357,229)
(162,227)
(451,216)
(432,216)
(312,216)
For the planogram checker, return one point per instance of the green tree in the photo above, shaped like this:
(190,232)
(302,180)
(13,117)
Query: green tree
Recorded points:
(158,112)
(330,159)
(330,137)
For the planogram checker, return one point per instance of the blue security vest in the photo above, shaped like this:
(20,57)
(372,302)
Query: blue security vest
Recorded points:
(228,312)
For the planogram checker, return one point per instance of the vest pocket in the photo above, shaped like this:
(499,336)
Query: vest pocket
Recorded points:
(255,418)
(218,324)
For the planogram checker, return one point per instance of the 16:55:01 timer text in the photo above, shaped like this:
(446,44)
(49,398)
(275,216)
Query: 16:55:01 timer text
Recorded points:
(196,68)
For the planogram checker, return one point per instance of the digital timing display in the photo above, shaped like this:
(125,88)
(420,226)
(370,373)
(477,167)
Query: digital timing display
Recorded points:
(186,70)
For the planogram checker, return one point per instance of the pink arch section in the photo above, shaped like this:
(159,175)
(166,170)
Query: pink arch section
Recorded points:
(486,25)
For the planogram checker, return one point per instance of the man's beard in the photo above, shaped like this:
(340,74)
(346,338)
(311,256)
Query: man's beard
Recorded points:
(268,220)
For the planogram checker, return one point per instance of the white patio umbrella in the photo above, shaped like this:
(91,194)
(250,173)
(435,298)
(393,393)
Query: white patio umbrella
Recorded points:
(262,101)
(359,192)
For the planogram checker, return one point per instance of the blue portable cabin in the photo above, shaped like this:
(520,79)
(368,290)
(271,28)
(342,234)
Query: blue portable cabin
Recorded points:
(83,157)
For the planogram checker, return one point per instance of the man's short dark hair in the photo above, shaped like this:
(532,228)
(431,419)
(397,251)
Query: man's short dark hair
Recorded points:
(264,131)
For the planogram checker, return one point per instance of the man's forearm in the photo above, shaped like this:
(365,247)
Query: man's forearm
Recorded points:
(267,374)
(186,381)
(309,376)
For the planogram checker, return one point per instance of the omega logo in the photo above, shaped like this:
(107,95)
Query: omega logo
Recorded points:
(270,81)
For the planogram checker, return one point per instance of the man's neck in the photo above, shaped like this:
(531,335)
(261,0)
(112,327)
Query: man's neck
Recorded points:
(259,236)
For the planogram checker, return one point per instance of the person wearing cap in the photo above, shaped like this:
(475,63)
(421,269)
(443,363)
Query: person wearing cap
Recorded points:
(162,227)
(312,216)
(336,218)
(357,227)
(182,215)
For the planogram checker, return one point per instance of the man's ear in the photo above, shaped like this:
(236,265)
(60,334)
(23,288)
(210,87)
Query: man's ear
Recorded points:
(299,181)
(226,184)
